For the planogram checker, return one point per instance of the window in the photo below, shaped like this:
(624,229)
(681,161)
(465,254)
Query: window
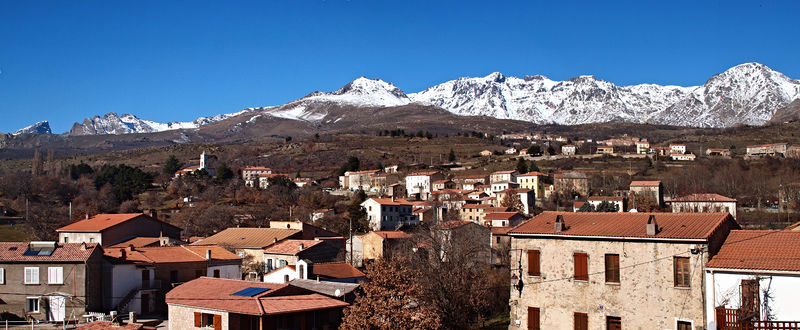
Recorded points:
(684,325)
(612,268)
(55,275)
(205,320)
(216,273)
(91,239)
(581,321)
(681,271)
(300,272)
(286,278)
(498,239)
(613,323)
(533,318)
(2,276)
(533,263)
(33,304)
(581,266)
(66,239)
(31,275)
(750,301)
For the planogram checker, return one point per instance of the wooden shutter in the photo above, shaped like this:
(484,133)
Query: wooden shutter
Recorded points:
(612,268)
(198,320)
(581,321)
(217,322)
(581,266)
(613,323)
(683,325)
(681,271)
(533,318)
(533,263)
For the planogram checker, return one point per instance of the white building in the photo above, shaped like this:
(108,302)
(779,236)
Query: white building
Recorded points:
(389,213)
(568,149)
(677,149)
(504,176)
(421,183)
(756,274)
(683,157)
(616,200)
(250,174)
(704,203)
(642,147)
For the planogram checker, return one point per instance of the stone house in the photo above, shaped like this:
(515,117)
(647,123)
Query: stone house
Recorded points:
(765,150)
(355,180)
(605,150)
(570,183)
(569,150)
(535,181)
(380,244)
(613,270)
(720,152)
(50,281)
(249,243)
(420,184)
(476,212)
(652,188)
(216,303)
(469,181)
(110,229)
(443,184)
(503,176)
(704,203)
(389,213)
(502,219)
(291,251)
(756,276)
(250,174)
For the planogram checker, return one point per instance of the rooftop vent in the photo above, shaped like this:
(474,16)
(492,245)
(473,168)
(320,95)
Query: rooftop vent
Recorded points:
(652,226)
(559,224)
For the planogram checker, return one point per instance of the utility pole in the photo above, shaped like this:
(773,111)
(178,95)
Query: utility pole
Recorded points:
(351,241)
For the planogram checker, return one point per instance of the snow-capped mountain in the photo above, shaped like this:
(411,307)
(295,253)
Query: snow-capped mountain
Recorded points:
(111,123)
(42,127)
(362,92)
(749,93)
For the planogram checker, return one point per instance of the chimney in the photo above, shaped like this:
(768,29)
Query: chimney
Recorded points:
(275,240)
(154,214)
(130,248)
(83,246)
(208,254)
(300,247)
(87,215)
(652,226)
(559,224)
(122,254)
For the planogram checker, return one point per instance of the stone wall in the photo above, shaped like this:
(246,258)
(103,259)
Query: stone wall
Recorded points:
(182,317)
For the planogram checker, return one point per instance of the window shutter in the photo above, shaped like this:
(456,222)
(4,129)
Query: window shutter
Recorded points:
(198,320)
(533,263)
(533,318)
(612,268)
(581,321)
(581,266)
(217,322)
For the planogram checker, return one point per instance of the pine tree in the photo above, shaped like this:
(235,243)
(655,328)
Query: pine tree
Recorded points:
(452,157)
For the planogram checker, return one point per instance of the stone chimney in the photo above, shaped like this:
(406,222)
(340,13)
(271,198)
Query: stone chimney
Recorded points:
(123,255)
(208,254)
(652,226)
(300,248)
(130,248)
(275,240)
(559,224)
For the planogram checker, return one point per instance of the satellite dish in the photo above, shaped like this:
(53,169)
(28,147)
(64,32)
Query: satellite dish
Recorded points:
(337,293)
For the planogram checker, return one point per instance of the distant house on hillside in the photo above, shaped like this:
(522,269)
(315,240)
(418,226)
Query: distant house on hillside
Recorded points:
(250,174)
(420,184)
(204,165)
(652,188)
(642,147)
(720,152)
(110,229)
(683,157)
(389,213)
(568,149)
(765,150)
(704,203)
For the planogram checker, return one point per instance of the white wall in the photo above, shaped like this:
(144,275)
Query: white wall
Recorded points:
(277,276)
(233,272)
(125,277)
(724,288)
(75,237)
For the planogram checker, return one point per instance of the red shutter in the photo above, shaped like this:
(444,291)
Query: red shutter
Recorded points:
(533,318)
(581,321)
(533,263)
(581,266)
(198,320)
(612,268)
(217,322)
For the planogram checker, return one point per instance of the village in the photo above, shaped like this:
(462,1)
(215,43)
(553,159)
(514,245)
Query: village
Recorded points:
(548,249)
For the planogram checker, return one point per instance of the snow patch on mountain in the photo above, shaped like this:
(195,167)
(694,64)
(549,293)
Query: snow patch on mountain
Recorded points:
(42,127)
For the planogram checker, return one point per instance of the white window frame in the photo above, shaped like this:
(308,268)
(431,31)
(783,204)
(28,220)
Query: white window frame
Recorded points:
(38,304)
(31,279)
(55,275)
(2,276)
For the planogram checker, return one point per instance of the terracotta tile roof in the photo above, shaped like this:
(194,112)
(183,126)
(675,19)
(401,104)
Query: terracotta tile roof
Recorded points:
(653,183)
(475,176)
(671,225)
(101,222)
(500,215)
(363,172)
(336,270)
(169,254)
(442,181)
(767,145)
(389,201)
(256,168)
(105,325)
(532,174)
(577,204)
(217,293)
(703,198)
(279,268)
(759,249)
(64,252)
(137,242)
(517,190)
(272,175)
(248,237)
(427,173)
(606,198)
(291,246)
(504,172)
(391,234)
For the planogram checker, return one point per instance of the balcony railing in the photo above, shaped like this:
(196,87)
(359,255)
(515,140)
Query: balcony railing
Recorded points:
(730,319)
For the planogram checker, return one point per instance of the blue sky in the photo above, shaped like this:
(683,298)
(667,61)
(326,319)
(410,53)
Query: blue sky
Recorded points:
(63,61)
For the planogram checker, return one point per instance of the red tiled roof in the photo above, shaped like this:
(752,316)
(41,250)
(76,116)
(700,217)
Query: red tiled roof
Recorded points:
(256,168)
(364,172)
(759,249)
(217,293)
(389,201)
(248,237)
(137,242)
(504,172)
(169,254)
(532,174)
(291,246)
(278,269)
(64,252)
(391,234)
(703,198)
(653,183)
(577,204)
(671,225)
(102,222)
(442,181)
(336,270)
(766,145)
(606,198)
(500,215)
(427,173)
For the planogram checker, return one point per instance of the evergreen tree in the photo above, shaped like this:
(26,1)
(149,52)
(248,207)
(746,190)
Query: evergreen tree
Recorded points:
(452,156)
(172,165)
(522,166)
(224,172)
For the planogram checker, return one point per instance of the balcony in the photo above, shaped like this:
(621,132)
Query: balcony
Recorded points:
(735,319)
